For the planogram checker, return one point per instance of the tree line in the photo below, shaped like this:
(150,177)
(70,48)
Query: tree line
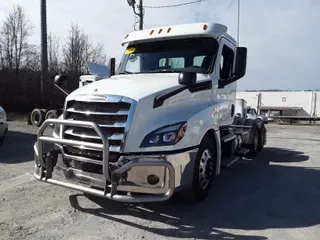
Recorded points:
(20,62)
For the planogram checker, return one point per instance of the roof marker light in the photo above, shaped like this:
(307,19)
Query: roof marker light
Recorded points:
(169,29)
(151,32)
(205,26)
(126,36)
(160,30)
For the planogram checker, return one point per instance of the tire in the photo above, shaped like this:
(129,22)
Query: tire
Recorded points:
(51,114)
(37,117)
(198,191)
(254,146)
(262,137)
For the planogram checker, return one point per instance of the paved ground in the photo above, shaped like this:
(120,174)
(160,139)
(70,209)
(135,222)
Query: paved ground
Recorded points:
(276,196)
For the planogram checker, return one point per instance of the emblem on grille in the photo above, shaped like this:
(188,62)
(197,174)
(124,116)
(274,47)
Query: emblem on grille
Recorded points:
(96,90)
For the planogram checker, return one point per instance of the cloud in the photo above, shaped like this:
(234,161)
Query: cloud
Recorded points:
(282,36)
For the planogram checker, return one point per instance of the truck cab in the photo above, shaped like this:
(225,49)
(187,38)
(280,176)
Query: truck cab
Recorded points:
(164,123)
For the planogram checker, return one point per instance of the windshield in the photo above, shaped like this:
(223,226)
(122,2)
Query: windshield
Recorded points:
(175,55)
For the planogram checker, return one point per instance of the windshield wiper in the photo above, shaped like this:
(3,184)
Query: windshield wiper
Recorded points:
(163,70)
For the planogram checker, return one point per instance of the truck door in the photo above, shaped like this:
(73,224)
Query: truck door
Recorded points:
(226,96)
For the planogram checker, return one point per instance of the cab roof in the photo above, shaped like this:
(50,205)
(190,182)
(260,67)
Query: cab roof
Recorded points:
(214,30)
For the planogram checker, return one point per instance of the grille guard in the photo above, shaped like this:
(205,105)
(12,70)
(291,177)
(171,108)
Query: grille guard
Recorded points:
(46,166)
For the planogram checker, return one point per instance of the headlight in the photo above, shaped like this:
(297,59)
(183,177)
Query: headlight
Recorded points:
(168,135)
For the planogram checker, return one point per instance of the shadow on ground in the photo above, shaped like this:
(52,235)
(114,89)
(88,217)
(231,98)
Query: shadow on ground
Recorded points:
(251,195)
(17,147)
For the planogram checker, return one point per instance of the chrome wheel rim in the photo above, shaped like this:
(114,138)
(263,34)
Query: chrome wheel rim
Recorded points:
(205,169)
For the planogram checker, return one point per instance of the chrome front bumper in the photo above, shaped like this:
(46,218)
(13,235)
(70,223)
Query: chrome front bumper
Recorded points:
(128,175)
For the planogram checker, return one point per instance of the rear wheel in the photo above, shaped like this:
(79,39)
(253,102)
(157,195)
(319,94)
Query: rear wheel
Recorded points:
(203,172)
(262,137)
(52,114)
(37,117)
(255,143)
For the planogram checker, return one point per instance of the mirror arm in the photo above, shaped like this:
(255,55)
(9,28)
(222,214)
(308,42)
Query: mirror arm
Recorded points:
(159,100)
(65,91)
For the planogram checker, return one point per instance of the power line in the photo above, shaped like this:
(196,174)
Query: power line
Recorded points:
(175,5)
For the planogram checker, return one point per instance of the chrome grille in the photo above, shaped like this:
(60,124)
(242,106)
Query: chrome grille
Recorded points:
(114,117)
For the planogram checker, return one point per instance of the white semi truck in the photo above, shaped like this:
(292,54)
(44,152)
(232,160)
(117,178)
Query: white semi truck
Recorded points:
(165,122)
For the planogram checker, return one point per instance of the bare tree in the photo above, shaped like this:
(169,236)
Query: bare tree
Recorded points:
(32,59)
(14,35)
(54,53)
(78,50)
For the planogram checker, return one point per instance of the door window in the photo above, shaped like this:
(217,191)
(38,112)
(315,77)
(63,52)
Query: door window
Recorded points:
(226,62)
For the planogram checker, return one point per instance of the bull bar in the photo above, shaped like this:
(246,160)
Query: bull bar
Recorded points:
(47,165)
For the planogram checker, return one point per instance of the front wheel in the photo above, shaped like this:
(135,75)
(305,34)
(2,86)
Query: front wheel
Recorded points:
(203,172)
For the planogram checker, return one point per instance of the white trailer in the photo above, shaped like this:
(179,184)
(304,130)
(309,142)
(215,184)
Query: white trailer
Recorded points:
(164,123)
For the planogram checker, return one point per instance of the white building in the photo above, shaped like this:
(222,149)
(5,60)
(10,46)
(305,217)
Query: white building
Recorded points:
(283,103)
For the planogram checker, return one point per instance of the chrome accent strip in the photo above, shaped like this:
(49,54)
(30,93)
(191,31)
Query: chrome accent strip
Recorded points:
(117,124)
(111,148)
(95,98)
(132,110)
(119,113)
(116,136)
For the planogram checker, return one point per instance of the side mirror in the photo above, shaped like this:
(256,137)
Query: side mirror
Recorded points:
(187,78)
(239,69)
(240,62)
(112,66)
(59,80)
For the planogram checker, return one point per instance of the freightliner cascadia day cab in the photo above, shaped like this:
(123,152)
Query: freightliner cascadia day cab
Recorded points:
(163,122)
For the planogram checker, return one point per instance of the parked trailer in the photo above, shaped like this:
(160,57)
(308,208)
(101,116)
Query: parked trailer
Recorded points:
(156,127)
(296,119)
(245,111)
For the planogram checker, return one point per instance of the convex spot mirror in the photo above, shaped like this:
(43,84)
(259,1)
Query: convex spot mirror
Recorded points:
(60,80)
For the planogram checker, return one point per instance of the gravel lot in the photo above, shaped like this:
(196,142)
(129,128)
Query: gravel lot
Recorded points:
(276,196)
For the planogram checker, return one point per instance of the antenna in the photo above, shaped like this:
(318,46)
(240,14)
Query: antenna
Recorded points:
(238,25)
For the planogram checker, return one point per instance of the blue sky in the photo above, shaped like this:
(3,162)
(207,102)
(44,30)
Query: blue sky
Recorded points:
(282,36)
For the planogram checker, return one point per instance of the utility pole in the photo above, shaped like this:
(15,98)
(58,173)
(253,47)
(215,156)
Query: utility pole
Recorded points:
(141,15)
(132,4)
(44,48)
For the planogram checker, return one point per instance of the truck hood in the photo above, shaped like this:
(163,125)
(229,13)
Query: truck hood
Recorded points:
(135,86)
